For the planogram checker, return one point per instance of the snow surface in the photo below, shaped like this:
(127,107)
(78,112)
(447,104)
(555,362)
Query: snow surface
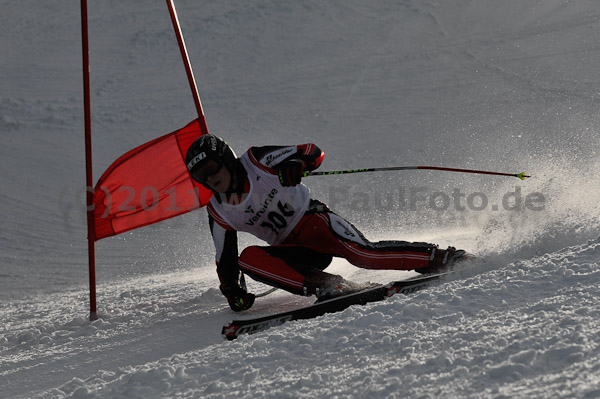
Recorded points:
(499,85)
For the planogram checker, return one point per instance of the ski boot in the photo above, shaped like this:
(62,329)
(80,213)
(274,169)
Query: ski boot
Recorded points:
(327,286)
(443,260)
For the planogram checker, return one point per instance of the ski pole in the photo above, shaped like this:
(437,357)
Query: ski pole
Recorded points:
(272,290)
(521,176)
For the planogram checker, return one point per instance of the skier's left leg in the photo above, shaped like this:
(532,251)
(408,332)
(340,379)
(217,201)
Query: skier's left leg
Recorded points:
(295,269)
(292,268)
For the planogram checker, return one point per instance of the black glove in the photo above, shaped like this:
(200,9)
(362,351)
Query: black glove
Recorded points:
(290,172)
(238,298)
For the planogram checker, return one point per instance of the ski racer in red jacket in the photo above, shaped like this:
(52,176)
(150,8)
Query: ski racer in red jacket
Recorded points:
(261,193)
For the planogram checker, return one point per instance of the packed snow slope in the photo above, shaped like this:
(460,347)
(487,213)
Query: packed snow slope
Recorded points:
(497,85)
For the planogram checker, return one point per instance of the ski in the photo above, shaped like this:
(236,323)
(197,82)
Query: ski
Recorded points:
(235,328)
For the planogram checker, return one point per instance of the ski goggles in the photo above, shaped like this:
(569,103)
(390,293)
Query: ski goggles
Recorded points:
(207,170)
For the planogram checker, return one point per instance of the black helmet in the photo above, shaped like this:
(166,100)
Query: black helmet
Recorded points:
(209,147)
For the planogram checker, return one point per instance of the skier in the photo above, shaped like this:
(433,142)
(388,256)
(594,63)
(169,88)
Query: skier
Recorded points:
(261,193)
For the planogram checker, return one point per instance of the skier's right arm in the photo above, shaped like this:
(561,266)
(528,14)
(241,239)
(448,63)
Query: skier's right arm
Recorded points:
(232,281)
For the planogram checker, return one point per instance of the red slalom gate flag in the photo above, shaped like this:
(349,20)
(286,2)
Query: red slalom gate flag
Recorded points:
(148,184)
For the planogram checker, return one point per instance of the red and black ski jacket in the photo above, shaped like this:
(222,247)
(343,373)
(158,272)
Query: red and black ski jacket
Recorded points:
(269,158)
